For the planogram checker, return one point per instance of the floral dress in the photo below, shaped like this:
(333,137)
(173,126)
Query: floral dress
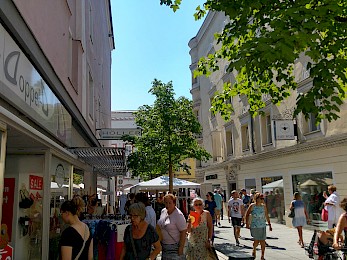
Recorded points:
(197,240)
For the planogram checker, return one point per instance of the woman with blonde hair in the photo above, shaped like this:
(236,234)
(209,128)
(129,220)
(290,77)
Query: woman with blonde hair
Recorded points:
(76,241)
(200,237)
(139,237)
(259,214)
(332,205)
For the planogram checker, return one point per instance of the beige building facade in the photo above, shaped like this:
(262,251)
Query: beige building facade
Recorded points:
(274,153)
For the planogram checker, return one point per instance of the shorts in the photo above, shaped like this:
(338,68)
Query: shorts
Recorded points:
(236,222)
(217,212)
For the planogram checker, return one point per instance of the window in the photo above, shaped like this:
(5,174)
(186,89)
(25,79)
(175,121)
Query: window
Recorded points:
(91,23)
(212,114)
(266,129)
(312,123)
(245,137)
(305,71)
(229,142)
(196,112)
(91,97)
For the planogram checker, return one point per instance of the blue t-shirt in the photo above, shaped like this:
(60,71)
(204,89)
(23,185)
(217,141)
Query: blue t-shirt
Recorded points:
(210,206)
(218,199)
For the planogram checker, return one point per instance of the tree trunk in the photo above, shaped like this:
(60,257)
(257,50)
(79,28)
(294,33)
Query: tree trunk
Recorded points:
(170,179)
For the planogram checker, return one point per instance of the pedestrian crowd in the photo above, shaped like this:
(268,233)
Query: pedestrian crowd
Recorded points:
(163,228)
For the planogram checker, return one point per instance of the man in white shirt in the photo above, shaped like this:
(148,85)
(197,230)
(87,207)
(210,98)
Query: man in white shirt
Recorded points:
(235,213)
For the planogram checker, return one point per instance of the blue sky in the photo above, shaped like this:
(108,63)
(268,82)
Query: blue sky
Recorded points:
(151,42)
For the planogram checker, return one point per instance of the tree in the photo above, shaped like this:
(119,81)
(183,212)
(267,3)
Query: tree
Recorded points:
(169,129)
(263,40)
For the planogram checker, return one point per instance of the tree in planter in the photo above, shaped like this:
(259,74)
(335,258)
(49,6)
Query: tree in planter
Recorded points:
(264,39)
(169,128)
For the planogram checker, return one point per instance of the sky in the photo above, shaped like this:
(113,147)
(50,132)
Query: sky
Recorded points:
(151,43)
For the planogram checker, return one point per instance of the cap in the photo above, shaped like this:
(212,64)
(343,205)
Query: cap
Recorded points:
(243,189)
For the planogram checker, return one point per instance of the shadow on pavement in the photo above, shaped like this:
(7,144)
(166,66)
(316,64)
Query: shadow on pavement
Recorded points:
(233,251)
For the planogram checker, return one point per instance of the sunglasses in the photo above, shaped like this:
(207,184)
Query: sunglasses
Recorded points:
(261,198)
(199,204)
(207,195)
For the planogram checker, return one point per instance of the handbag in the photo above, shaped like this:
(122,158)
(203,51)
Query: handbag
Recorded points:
(26,201)
(324,214)
(292,212)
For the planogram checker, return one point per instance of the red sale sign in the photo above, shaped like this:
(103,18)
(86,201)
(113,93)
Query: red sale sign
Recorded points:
(6,253)
(35,182)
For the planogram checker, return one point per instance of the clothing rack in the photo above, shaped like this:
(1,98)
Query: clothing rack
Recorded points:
(107,234)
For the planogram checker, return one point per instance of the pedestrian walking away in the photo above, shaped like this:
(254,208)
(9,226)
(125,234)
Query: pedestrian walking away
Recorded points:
(300,215)
(219,204)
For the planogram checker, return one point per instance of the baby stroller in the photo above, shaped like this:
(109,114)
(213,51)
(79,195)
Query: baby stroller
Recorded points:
(320,247)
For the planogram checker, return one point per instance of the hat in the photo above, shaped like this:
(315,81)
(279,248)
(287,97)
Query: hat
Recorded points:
(243,189)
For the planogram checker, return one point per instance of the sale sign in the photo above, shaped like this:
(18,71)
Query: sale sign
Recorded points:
(35,182)
(7,205)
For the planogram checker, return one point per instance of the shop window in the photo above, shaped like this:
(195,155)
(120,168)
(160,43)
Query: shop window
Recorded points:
(272,187)
(311,187)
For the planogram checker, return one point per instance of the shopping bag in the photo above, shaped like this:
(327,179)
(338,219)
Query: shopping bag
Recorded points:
(324,214)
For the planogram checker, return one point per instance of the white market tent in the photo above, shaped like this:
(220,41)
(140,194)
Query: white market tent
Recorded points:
(162,184)
(273,185)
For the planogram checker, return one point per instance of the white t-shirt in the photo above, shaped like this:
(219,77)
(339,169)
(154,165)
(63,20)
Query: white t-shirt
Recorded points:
(235,207)
(150,216)
(173,224)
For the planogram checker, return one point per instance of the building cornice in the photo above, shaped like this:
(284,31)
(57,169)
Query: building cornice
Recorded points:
(327,142)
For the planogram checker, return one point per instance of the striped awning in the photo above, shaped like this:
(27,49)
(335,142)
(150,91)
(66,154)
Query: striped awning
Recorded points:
(108,161)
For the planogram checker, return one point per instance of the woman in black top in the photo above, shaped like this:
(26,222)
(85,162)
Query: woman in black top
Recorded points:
(76,241)
(141,241)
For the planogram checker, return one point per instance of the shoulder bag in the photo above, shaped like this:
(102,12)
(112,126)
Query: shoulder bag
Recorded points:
(292,212)
(84,243)
(324,214)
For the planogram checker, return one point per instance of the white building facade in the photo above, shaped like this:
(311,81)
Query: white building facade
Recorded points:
(284,153)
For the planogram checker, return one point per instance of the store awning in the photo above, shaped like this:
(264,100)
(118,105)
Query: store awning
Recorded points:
(108,161)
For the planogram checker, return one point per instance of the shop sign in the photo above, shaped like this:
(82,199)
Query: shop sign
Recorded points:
(35,182)
(117,133)
(23,86)
(285,130)
(6,253)
(7,205)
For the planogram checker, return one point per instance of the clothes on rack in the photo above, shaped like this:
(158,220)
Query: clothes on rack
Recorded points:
(107,237)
